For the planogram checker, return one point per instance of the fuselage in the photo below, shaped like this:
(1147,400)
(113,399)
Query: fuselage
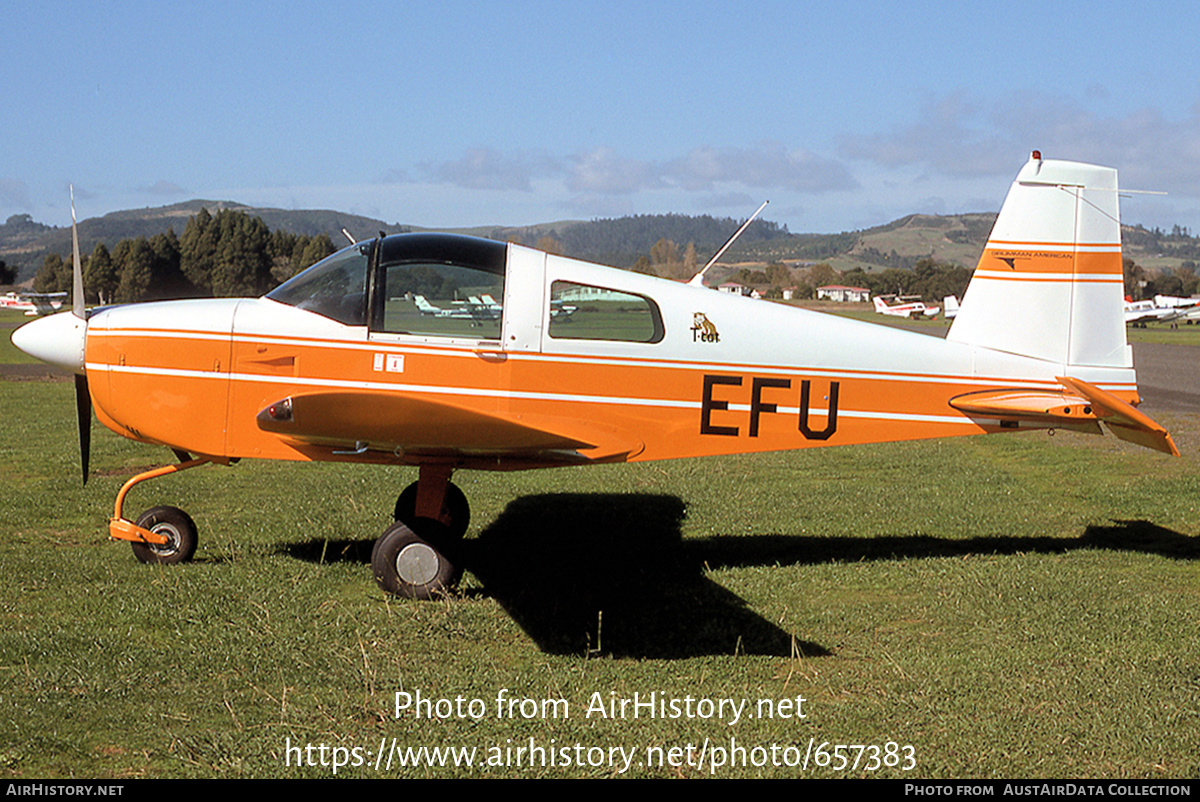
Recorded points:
(643,369)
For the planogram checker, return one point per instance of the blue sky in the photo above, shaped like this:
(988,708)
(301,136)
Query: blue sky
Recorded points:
(459,113)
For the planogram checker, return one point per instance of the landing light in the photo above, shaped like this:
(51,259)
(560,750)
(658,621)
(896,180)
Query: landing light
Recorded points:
(281,410)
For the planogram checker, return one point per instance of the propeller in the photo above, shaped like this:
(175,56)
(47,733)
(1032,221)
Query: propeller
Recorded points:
(61,340)
(83,398)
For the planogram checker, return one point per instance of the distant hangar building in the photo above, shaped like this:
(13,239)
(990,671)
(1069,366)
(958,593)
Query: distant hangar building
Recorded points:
(836,292)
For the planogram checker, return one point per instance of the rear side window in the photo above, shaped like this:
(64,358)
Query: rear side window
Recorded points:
(583,312)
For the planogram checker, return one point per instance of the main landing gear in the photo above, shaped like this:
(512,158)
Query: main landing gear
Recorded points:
(420,555)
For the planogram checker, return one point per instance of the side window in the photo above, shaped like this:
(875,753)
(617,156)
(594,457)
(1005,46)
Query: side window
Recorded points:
(443,300)
(582,312)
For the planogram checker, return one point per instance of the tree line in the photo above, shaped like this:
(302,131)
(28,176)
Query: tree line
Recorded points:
(224,255)
(1142,284)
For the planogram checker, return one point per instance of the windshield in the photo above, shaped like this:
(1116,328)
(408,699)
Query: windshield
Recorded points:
(335,287)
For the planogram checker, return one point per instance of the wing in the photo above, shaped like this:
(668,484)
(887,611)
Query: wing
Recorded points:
(410,426)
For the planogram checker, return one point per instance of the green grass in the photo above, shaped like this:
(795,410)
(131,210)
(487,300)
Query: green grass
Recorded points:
(9,354)
(1009,606)
(1183,334)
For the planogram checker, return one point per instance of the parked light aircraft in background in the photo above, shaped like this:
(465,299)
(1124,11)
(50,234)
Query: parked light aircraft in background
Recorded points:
(950,307)
(903,306)
(1163,309)
(471,309)
(33,303)
(336,364)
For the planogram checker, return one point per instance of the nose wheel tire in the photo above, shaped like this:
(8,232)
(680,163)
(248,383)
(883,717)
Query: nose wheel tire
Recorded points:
(176,526)
(414,564)
(455,508)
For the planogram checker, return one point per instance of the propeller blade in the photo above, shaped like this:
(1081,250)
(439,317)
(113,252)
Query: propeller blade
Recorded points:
(83,398)
(77,267)
(83,415)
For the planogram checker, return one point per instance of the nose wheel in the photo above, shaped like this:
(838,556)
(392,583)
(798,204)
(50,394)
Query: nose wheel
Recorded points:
(163,535)
(176,526)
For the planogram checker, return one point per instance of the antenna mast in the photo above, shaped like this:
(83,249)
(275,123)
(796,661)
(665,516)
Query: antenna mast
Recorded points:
(698,279)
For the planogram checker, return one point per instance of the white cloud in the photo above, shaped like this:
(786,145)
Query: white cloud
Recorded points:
(603,170)
(592,206)
(769,165)
(954,138)
(948,139)
(487,168)
(1151,150)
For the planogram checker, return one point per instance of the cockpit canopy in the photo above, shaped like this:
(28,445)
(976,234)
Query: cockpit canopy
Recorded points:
(442,284)
(448,285)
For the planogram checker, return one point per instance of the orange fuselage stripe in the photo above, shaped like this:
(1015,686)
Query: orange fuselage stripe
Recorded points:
(202,393)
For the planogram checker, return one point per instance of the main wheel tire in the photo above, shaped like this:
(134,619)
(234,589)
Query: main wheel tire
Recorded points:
(414,565)
(455,507)
(175,525)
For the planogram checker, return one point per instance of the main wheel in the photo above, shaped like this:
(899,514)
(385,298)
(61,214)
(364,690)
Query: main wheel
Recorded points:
(414,565)
(455,507)
(176,526)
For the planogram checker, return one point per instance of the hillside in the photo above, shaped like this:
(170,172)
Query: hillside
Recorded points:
(24,243)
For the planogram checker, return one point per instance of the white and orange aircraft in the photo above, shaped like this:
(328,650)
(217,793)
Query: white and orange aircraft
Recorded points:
(340,364)
(34,303)
(1162,309)
(903,306)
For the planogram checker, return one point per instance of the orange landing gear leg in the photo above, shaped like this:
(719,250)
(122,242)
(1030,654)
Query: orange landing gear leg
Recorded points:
(121,528)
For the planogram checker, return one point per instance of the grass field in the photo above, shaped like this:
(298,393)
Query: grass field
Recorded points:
(1018,606)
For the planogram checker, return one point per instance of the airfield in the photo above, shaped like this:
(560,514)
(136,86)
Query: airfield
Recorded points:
(989,607)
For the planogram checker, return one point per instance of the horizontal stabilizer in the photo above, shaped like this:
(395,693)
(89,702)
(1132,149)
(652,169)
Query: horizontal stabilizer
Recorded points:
(1123,419)
(1079,404)
(1025,404)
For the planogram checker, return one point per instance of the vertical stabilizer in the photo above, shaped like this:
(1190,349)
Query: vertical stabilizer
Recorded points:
(1049,284)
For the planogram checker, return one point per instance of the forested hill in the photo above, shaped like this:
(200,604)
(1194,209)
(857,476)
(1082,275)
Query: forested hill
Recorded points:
(24,243)
(622,241)
(957,239)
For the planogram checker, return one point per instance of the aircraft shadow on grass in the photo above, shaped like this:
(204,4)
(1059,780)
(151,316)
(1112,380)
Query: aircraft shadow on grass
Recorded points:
(611,573)
(603,573)
(1134,536)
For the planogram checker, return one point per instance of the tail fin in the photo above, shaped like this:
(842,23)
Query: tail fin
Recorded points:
(1049,284)
(950,307)
(880,304)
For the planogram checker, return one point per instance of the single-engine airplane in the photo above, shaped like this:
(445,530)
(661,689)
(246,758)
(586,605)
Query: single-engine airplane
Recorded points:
(34,303)
(337,365)
(950,307)
(903,306)
(1163,309)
